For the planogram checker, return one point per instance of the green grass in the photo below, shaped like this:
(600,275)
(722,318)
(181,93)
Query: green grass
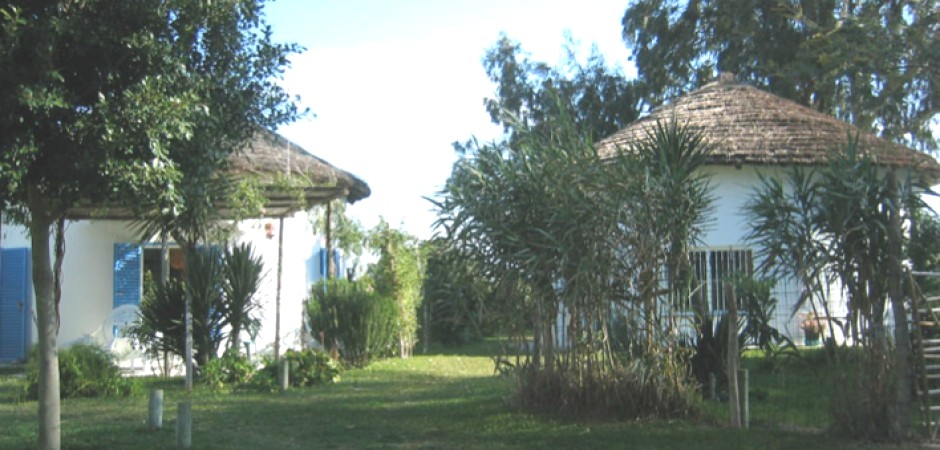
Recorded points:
(448,399)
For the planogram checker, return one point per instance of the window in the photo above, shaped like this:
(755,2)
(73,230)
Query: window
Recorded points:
(710,269)
(131,261)
(153,263)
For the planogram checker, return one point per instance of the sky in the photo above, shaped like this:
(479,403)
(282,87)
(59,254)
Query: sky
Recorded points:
(392,84)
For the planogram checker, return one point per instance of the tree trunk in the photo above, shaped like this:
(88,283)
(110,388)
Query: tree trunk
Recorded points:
(901,333)
(49,404)
(57,269)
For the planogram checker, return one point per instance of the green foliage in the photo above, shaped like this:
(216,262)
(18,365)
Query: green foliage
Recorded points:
(556,232)
(865,62)
(346,233)
(757,307)
(399,275)
(350,317)
(241,279)
(755,312)
(310,367)
(222,287)
(84,371)
(832,221)
(231,369)
(135,104)
(204,282)
(160,327)
(307,367)
(457,300)
(849,217)
(600,98)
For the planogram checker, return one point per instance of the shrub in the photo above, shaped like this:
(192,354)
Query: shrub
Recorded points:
(84,371)
(353,319)
(160,326)
(308,367)
(231,368)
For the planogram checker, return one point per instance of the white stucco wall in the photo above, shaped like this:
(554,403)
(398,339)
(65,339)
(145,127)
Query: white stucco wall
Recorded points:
(728,226)
(88,278)
(301,252)
(87,273)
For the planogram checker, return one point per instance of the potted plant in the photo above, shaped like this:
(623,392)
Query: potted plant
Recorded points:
(812,327)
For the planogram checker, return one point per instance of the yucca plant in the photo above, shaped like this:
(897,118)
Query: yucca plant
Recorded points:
(204,285)
(242,273)
(160,325)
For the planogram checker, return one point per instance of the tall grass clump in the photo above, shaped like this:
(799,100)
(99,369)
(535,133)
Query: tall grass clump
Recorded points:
(575,245)
(845,224)
(352,319)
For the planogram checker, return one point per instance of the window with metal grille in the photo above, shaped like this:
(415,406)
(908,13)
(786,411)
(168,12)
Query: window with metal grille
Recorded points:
(711,268)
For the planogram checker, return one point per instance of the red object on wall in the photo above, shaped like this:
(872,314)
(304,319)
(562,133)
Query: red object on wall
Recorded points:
(269,230)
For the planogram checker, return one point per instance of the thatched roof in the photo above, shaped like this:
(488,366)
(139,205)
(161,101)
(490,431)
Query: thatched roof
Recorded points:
(270,159)
(270,156)
(745,125)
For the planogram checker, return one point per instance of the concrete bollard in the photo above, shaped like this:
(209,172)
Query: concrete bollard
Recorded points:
(284,374)
(184,425)
(156,409)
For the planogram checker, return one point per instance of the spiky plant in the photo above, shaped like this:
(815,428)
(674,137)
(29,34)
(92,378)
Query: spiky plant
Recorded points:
(241,278)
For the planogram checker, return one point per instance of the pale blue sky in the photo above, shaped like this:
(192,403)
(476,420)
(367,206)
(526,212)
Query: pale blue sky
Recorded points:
(394,83)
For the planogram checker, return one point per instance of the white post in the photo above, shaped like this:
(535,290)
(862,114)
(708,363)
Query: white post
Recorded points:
(156,409)
(184,425)
(284,374)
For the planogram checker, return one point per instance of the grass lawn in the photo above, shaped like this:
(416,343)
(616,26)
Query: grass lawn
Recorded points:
(444,400)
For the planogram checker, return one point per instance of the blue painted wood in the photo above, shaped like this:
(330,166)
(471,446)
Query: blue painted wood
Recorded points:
(128,263)
(15,300)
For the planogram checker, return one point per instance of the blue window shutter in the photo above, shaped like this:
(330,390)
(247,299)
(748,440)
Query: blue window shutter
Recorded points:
(323,264)
(127,274)
(15,295)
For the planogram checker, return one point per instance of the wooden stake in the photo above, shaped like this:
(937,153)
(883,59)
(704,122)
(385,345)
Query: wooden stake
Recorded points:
(732,370)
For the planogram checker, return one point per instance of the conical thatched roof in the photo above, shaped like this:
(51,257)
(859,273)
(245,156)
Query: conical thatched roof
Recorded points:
(270,156)
(274,163)
(745,125)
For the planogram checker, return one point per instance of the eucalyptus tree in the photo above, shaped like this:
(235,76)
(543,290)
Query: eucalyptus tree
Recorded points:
(600,98)
(99,102)
(867,62)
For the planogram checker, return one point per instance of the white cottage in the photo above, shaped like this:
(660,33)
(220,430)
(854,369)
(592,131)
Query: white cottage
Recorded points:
(751,131)
(105,260)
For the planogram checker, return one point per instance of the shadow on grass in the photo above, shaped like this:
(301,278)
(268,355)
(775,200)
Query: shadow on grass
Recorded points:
(486,347)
